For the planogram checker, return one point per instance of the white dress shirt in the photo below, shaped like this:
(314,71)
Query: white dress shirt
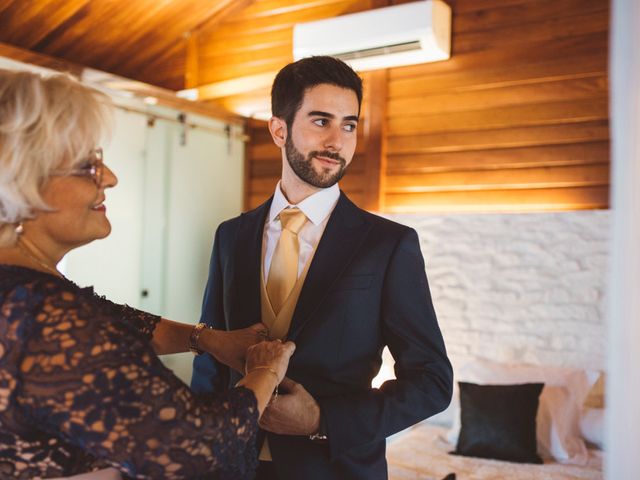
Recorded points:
(317,208)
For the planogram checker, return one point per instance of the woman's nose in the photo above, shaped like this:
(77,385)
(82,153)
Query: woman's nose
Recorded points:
(109,179)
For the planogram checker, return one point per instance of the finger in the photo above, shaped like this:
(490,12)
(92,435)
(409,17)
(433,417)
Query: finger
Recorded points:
(288,384)
(290,347)
(260,329)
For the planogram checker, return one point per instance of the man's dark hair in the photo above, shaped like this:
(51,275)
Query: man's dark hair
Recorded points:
(293,80)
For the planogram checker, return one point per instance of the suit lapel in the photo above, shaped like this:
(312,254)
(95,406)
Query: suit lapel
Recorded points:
(345,232)
(246,268)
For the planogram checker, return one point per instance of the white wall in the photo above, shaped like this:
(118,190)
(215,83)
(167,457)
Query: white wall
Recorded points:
(519,288)
(623,393)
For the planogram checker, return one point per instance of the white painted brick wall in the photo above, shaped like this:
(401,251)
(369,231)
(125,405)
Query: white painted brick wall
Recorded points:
(518,288)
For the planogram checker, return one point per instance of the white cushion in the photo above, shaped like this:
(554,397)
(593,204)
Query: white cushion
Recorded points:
(558,420)
(592,426)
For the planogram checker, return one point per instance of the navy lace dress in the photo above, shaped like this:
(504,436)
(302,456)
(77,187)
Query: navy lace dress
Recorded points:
(81,389)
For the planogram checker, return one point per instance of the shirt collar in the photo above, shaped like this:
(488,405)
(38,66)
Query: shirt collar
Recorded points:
(316,207)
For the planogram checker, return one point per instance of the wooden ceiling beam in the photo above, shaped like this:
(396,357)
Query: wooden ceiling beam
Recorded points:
(164,96)
(235,86)
(45,61)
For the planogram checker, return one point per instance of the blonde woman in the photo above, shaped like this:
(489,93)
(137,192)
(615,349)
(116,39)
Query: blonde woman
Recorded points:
(81,385)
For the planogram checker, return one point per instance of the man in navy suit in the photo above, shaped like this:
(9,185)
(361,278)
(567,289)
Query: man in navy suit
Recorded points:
(358,285)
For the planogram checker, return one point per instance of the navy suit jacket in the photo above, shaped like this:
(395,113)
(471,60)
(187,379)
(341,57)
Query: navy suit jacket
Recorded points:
(366,288)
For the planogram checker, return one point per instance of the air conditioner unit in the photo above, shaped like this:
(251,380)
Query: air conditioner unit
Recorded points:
(406,34)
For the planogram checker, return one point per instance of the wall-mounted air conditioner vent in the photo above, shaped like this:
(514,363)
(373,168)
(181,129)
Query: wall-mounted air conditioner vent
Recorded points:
(405,34)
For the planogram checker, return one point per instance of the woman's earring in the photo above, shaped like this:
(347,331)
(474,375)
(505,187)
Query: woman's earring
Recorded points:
(19,229)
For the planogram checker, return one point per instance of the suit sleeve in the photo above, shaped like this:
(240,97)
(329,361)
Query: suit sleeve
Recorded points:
(209,375)
(424,378)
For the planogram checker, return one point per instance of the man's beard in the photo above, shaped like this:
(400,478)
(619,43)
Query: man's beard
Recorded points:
(303,167)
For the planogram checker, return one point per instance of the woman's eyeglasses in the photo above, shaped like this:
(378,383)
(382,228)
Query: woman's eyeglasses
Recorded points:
(91,167)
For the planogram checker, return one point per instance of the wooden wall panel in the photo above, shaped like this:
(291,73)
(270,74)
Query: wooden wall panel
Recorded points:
(517,120)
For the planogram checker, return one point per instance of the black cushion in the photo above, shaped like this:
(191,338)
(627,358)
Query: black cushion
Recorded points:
(499,421)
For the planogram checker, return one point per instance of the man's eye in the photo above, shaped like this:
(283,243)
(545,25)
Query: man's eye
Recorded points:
(350,127)
(321,122)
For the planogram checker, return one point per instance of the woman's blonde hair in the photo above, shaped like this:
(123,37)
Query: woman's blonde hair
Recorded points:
(45,122)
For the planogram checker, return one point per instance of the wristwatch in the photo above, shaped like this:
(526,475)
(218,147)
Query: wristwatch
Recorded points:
(194,337)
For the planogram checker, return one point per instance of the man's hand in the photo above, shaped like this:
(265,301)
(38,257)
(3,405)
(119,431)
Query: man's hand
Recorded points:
(293,412)
(230,347)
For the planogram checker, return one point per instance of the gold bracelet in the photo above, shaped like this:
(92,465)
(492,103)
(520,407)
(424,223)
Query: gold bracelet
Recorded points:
(265,367)
(194,337)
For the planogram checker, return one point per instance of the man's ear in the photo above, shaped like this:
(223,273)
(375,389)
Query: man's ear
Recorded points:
(278,130)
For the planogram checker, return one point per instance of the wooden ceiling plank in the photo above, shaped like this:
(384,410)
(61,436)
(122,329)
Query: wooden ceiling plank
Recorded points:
(278,7)
(162,27)
(502,138)
(191,68)
(84,25)
(231,28)
(236,86)
(61,28)
(244,43)
(168,69)
(224,10)
(537,156)
(255,70)
(158,26)
(6,4)
(42,17)
(220,62)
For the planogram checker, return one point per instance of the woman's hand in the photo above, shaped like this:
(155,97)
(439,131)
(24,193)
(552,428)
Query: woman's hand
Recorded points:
(230,347)
(267,364)
(270,355)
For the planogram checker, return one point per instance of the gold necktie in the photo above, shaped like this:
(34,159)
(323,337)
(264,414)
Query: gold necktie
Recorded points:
(284,264)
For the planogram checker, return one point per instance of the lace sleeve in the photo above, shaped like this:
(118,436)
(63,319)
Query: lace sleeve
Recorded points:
(145,323)
(87,378)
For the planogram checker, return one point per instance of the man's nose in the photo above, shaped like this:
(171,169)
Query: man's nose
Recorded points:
(333,140)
